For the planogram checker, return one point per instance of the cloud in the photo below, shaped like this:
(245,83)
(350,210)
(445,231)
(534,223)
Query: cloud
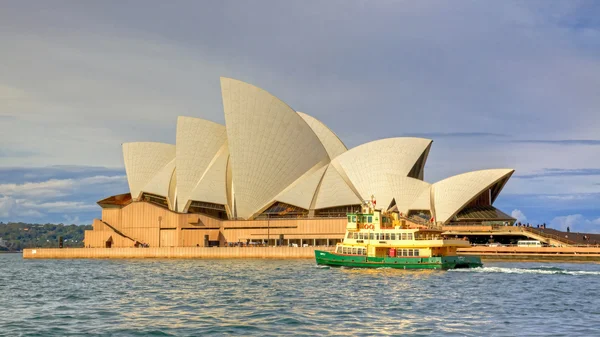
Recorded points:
(576,223)
(55,187)
(557,172)
(517,214)
(11,208)
(455,135)
(469,73)
(51,199)
(20,175)
(6,206)
(7,153)
(561,141)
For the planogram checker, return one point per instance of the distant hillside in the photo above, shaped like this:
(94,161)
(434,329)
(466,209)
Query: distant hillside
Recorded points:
(16,236)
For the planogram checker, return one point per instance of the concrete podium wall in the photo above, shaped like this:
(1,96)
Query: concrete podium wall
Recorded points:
(175,252)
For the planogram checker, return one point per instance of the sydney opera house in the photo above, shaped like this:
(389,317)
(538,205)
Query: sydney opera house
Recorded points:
(272,174)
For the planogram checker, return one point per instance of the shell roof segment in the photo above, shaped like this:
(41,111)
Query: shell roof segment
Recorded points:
(198,142)
(330,140)
(335,191)
(452,194)
(269,143)
(406,190)
(366,166)
(143,161)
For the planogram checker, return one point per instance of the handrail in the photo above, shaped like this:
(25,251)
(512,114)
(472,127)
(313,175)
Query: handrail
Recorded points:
(121,233)
(550,236)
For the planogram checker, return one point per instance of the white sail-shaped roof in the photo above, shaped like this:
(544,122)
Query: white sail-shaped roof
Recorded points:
(212,186)
(406,190)
(160,184)
(367,165)
(198,142)
(269,143)
(452,194)
(330,140)
(422,201)
(335,191)
(301,193)
(143,161)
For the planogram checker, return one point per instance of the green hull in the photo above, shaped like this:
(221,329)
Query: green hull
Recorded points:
(358,261)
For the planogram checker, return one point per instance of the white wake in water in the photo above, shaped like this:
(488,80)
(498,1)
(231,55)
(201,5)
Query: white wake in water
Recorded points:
(540,270)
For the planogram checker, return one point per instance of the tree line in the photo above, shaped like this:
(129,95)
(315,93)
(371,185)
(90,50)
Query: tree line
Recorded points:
(15,236)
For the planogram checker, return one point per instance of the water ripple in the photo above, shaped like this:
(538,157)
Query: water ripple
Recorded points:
(276,297)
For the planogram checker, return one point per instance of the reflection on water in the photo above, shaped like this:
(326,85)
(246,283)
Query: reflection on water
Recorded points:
(275,297)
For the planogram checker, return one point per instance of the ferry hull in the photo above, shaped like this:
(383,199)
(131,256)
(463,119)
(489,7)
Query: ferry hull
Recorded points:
(357,261)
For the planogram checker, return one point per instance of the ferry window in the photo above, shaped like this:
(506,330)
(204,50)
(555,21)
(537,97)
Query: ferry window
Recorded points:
(354,251)
(355,236)
(349,235)
(364,252)
(393,236)
(339,249)
(370,219)
(387,236)
(416,252)
(383,220)
(409,236)
(354,218)
(371,235)
(410,252)
(403,252)
(361,236)
(403,236)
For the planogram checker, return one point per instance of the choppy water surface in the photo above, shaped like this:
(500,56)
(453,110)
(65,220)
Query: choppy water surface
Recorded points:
(279,297)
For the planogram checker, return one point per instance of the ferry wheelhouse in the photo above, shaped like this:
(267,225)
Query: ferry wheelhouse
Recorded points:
(374,240)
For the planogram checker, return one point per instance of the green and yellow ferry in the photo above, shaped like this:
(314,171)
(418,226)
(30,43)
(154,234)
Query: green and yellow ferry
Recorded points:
(378,240)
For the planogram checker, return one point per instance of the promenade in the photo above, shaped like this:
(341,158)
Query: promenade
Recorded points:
(573,254)
(582,254)
(175,253)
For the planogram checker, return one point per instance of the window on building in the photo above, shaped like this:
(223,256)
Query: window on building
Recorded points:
(370,219)
(387,236)
(355,236)
(349,235)
(409,236)
(371,236)
(393,237)
(416,252)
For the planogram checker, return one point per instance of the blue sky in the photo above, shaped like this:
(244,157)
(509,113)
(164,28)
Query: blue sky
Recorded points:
(494,83)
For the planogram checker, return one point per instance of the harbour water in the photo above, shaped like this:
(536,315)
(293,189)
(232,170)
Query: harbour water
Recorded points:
(293,297)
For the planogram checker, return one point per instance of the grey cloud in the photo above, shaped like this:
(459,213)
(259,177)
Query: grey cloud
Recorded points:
(91,75)
(456,135)
(556,172)
(561,141)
